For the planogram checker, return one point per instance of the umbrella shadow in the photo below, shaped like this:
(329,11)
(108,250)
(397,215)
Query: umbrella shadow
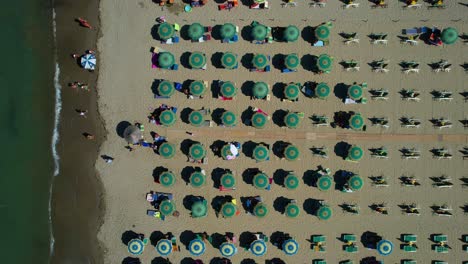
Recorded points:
(308,62)
(120,128)
(246,238)
(247,87)
(218,201)
(128,235)
(248,261)
(279,176)
(311,206)
(160,260)
(278,237)
(187,261)
(216,60)
(186,172)
(340,181)
(277,33)
(248,175)
(246,33)
(278,148)
(246,116)
(130,260)
(157,172)
(278,90)
(185,146)
(310,178)
(154,86)
(341,149)
(217,146)
(154,32)
(280,204)
(217,114)
(186,85)
(155,237)
(215,89)
(248,147)
(185,113)
(186,237)
(216,176)
(308,34)
(216,32)
(184,32)
(189,200)
(370,239)
(184,59)
(278,117)
(278,61)
(246,60)
(341,91)
(217,239)
(275,261)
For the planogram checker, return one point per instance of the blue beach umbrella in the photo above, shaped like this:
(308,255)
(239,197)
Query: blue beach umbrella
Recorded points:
(290,247)
(136,246)
(384,247)
(88,61)
(228,249)
(164,247)
(258,248)
(197,247)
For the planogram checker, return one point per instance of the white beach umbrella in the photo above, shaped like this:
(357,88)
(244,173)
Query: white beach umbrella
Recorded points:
(88,61)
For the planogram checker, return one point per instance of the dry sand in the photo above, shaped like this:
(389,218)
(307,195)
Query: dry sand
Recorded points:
(125,82)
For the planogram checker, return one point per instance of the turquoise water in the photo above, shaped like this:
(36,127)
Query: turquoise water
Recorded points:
(26,114)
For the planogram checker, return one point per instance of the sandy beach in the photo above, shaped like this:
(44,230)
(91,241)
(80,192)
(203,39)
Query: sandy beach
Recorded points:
(125,93)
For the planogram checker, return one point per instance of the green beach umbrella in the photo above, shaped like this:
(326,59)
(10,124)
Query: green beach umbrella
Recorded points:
(197,151)
(356,122)
(324,212)
(226,151)
(229,60)
(322,32)
(167,150)
(322,90)
(259,32)
(165,31)
(167,179)
(165,60)
(291,34)
(259,120)
(291,61)
(292,120)
(355,182)
(164,247)
(199,209)
(197,179)
(292,210)
(324,62)
(196,118)
(291,182)
(291,91)
(197,88)
(449,35)
(167,117)
(260,90)
(260,61)
(228,90)
(291,153)
(261,181)
(196,31)
(166,88)
(355,153)
(197,60)
(355,92)
(229,119)
(166,207)
(228,180)
(324,183)
(228,31)
(260,153)
(228,210)
(260,210)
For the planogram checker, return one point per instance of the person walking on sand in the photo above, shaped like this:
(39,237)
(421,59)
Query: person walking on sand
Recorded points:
(88,136)
(108,159)
(82,113)
(84,23)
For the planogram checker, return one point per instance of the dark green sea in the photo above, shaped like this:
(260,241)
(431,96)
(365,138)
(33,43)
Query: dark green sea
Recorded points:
(27,110)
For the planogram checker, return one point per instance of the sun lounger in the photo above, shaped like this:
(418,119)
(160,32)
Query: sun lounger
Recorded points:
(351,248)
(409,261)
(415,6)
(409,238)
(263,5)
(439,238)
(440,249)
(317,4)
(351,5)
(319,261)
(348,237)
(409,248)
(289,4)
(155,214)
(318,238)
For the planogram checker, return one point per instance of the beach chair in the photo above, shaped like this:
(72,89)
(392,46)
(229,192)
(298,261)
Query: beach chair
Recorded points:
(380,121)
(318,238)
(155,214)
(410,95)
(348,237)
(410,122)
(409,248)
(319,120)
(320,152)
(410,39)
(319,261)
(409,238)
(350,4)
(264,5)
(317,3)
(440,96)
(380,208)
(350,38)
(378,38)
(437,238)
(439,4)
(379,181)
(350,65)
(351,248)
(440,249)
(442,123)
(379,153)
(408,261)
(290,3)
(379,94)
(441,153)
(350,208)
(412,4)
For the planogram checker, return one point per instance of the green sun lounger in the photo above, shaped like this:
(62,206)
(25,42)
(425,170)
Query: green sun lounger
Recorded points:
(408,248)
(318,238)
(409,238)
(465,238)
(348,237)
(441,249)
(439,238)
(351,249)
(346,262)
(319,261)
(409,261)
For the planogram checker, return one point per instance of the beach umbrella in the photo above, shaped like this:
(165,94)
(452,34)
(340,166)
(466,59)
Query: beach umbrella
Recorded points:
(260,90)
(229,119)
(322,90)
(136,246)
(197,60)
(355,92)
(291,33)
(228,249)
(291,153)
(199,209)
(166,88)
(88,61)
(165,60)
(292,120)
(324,63)
(165,31)
(260,61)
(197,151)
(291,91)
(291,181)
(292,210)
(356,122)
(197,247)
(167,150)
(164,247)
(167,179)
(228,90)
(290,247)
(228,210)
(228,180)
(260,210)
(259,120)
(227,31)
(166,207)
(197,179)
(355,182)
(324,212)
(355,153)
(261,181)
(260,153)
(196,118)
(196,31)
(322,32)
(449,35)
(384,247)
(229,60)
(132,134)
(229,151)
(167,117)
(258,247)
(259,32)
(259,1)
(291,61)
(324,183)
(197,88)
